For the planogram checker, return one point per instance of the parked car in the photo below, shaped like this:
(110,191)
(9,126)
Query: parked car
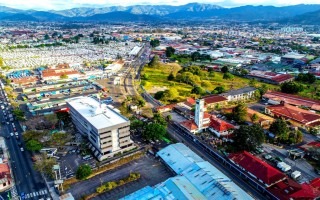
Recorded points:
(268,156)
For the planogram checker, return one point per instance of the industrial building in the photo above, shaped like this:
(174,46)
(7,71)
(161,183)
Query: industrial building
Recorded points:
(107,130)
(196,179)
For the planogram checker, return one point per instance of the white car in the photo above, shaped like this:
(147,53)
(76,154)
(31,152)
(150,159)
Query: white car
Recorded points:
(16,134)
(21,149)
(11,134)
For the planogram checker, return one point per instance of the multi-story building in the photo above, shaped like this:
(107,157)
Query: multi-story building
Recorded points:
(107,130)
(240,94)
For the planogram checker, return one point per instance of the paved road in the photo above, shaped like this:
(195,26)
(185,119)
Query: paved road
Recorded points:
(27,180)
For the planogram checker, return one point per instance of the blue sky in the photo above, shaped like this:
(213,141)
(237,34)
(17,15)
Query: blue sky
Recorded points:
(66,4)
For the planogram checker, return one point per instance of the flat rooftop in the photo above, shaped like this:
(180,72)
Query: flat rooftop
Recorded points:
(99,115)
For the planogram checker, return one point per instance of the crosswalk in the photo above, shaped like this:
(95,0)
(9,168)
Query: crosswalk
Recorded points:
(39,193)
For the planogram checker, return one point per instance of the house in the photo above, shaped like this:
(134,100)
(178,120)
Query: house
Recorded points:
(297,116)
(290,189)
(24,81)
(212,101)
(270,77)
(240,94)
(257,168)
(55,73)
(5,177)
(220,127)
(263,120)
(276,97)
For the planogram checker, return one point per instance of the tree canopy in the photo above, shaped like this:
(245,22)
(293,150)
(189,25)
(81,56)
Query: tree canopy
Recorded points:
(239,112)
(280,129)
(170,51)
(155,43)
(248,137)
(291,87)
(198,90)
(83,172)
(306,78)
(218,90)
(154,61)
(154,131)
(224,69)
(33,145)
(227,76)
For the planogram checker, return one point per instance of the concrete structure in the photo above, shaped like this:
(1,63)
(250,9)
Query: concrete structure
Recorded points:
(196,179)
(199,112)
(106,129)
(240,94)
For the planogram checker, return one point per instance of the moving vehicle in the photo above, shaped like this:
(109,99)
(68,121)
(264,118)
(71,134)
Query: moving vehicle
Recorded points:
(295,175)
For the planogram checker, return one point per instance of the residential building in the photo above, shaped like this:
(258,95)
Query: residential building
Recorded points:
(5,177)
(270,77)
(213,101)
(297,116)
(220,127)
(240,94)
(195,179)
(107,130)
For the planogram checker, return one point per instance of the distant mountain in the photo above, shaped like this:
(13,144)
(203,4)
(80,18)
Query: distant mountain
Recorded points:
(19,17)
(307,18)
(159,10)
(191,11)
(118,17)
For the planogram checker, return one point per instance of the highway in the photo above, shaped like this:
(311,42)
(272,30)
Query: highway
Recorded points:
(29,183)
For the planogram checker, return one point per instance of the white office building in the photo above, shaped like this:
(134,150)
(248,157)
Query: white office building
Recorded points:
(107,130)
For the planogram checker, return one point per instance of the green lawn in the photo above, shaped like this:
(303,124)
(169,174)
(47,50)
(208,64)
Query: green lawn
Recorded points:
(311,90)
(158,77)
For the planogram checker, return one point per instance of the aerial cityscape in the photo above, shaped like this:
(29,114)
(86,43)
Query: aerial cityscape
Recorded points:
(164,100)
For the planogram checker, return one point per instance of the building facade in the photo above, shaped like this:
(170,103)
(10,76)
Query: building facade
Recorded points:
(107,130)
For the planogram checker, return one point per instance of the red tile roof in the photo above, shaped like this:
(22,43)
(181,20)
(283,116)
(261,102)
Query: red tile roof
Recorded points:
(24,80)
(214,99)
(289,189)
(262,170)
(190,125)
(282,77)
(190,102)
(294,113)
(166,107)
(220,125)
(293,99)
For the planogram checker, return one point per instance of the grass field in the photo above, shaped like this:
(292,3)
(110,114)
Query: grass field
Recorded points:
(311,90)
(158,78)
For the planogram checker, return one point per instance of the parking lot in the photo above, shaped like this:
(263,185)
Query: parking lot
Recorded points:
(152,172)
(300,164)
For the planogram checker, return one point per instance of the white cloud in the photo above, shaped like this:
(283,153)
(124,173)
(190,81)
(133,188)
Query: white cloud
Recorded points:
(66,4)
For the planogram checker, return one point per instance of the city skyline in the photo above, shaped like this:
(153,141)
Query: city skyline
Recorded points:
(68,4)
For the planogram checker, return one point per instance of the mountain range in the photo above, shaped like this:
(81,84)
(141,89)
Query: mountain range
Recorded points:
(305,14)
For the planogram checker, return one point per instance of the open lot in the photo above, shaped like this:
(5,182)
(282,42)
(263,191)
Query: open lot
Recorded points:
(152,172)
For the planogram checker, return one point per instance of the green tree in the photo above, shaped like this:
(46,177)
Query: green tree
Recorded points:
(155,43)
(225,69)
(157,118)
(254,118)
(306,78)
(159,95)
(244,72)
(83,172)
(19,114)
(33,145)
(170,51)
(218,90)
(154,61)
(46,37)
(198,90)
(248,137)
(280,129)
(171,77)
(291,87)
(44,164)
(171,94)
(154,131)
(263,89)
(145,76)
(227,76)
(195,56)
(239,112)
(206,84)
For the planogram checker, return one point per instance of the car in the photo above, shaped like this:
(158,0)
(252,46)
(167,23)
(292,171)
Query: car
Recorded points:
(279,159)
(21,149)
(267,156)
(22,195)
(11,134)
(8,123)
(16,134)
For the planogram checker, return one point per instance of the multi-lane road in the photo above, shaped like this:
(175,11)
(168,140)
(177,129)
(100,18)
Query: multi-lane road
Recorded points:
(28,182)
